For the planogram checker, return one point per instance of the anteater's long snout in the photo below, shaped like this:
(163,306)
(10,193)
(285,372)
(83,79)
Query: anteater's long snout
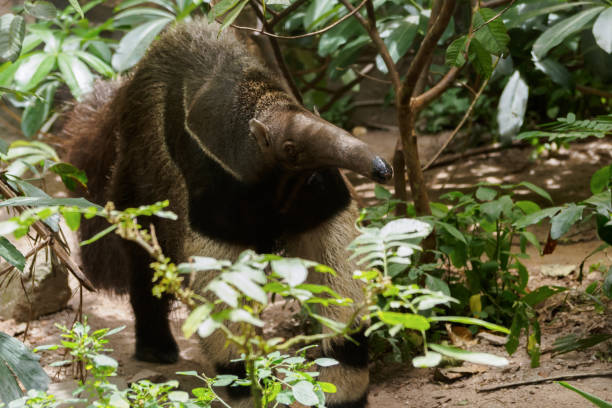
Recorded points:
(381,170)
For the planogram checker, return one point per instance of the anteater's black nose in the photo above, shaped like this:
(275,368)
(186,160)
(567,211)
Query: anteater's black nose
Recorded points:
(381,171)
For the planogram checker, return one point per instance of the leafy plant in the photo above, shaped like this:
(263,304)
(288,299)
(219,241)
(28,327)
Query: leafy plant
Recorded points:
(588,396)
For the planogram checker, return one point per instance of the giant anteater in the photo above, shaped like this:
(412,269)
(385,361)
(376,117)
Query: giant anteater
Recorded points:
(205,125)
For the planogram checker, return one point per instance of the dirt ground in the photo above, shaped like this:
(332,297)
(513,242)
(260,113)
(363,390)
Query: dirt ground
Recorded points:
(564,174)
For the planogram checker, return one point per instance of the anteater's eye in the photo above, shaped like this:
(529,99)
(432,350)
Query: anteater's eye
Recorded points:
(290,150)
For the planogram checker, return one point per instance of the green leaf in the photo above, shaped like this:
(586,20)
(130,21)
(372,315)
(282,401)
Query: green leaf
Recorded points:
(11,254)
(33,69)
(400,39)
(556,72)
(535,217)
(541,294)
(303,392)
(590,397)
(528,207)
(512,107)
(455,52)
(73,218)
(241,315)
(492,36)
(327,387)
(408,320)
(480,58)
(41,9)
(606,287)
(316,12)
(602,30)
(246,286)
(12,32)
(224,292)
(96,63)
(99,235)
(290,269)
(37,111)
(538,190)
(17,361)
(476,358)
(220,8)
(601,179)
(431,359)
(76,74)
(567,217)
(102,360)
(485,194)
(326,362)
(233,14)
(77,7)
(69,174)
(135,43)
(335,38)
(527,11)
(46,201)
(561,30)
(469,320)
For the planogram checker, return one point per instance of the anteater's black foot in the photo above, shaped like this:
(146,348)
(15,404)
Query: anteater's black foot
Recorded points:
(166,354)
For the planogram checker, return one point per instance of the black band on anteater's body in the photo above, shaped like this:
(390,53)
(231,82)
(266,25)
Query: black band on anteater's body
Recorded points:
(350,354)
(360,402)
(238,369)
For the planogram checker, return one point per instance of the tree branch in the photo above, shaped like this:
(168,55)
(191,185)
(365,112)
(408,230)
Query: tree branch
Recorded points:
(370,26)
(420,102)
(425,50)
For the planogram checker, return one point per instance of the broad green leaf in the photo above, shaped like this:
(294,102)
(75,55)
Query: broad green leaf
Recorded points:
(601,179)
(588,396)
(455,52)
(405,226)
(37,111)
(535,217)
(527,11)
(69,175)
(408,320)
(538,190)
(347,55)
(469,320)
(195,318)
(431,359)
(134,44)
(476,358)
(241,315)
(224,292)
(76,74)
(11,254)
(290,269)
(602,30)
(246,286)
(316,12)
(485,194)
(102,360)
(224,380)
(45,201)
(326,362)
(33,69)
(12,32)
(400,39)
(43,10)
(138,15)
(556,72)
(541,294)
(96,63)
(220,8)
(167,4)
(512,107)
(327,387)
(561,30)
(492,36)
(17,360)
(562,221)
(303,392)
(335,38)
(480,58)
(73,219)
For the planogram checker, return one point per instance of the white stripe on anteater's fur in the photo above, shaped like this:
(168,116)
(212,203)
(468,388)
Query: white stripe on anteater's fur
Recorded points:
(203,124)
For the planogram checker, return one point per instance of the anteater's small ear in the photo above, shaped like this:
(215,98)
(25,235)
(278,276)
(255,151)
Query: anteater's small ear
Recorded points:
(260,132)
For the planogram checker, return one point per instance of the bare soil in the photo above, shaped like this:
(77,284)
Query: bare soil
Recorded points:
(564,174)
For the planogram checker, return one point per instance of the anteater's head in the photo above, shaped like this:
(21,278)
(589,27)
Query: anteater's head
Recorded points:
(297,140)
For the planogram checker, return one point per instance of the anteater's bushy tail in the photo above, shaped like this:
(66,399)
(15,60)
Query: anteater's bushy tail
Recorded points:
(90,142)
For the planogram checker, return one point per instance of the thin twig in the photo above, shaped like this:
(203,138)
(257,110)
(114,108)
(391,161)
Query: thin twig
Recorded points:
(45,232)
(281,16)
(267,31)
(459,126)
(496,147)
(495,17)
(31,252)
(546,379)
(594,91)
